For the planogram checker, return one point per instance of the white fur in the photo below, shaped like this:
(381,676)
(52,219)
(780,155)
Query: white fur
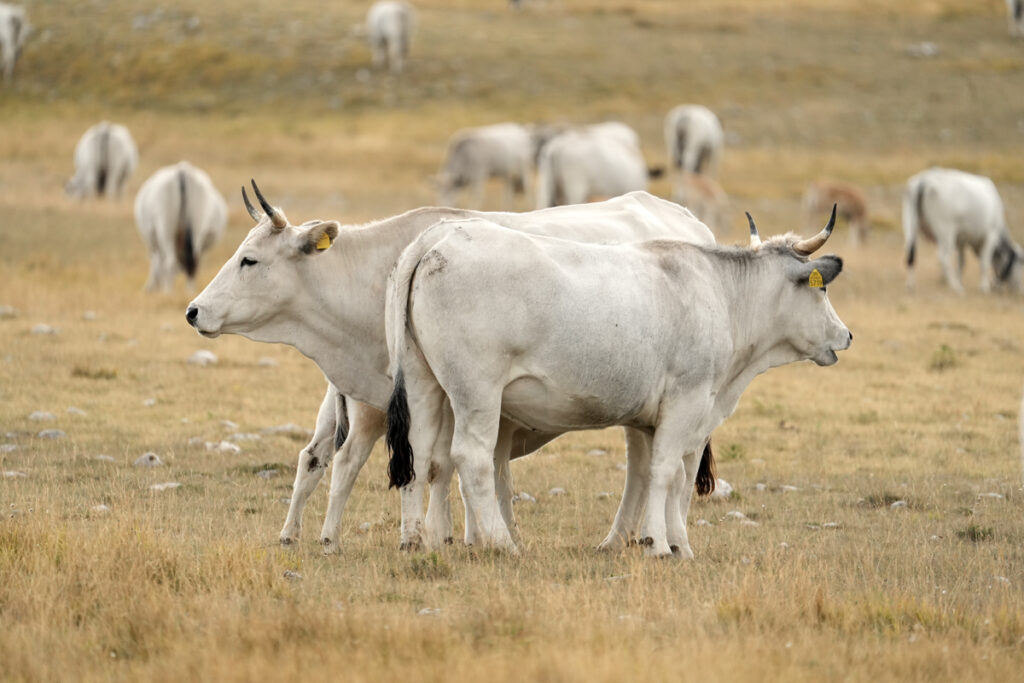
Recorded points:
(389,27)
(602,160)
(556,335)
(108,150)
(158,214)
(1015,10)
(502,150)
(14,29)
(330,305)
(959,210)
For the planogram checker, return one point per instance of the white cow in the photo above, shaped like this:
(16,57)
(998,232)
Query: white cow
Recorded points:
(593,161)
(389,27)
(502,150)
(694,142)
(14,29)
(104,158)
(551,336)
(180,214)
(281,287)
(959,210)
(1016,11)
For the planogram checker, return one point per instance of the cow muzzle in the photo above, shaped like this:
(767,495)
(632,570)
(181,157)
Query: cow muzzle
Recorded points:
(192,317)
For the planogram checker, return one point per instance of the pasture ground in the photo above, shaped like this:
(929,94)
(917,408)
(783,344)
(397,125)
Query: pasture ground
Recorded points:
(831,583)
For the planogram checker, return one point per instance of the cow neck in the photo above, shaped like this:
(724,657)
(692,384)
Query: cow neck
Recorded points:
(342,326)
(758,341)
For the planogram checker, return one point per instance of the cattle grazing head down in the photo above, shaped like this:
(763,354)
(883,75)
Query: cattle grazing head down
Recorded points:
(806,321)
(271,267)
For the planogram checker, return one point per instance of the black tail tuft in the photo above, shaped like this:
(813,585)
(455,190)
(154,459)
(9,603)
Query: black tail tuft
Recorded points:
(706,472)
(911,253)
(655,172)
(183,244)
(702,159)
(400,465)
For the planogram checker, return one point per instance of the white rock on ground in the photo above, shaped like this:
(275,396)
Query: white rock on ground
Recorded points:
(51,434)
(292,576)
(100,509)
(8,448)
(72,410)
(723,490)
(702,522)
(8,312)
(42,416)
(149,402)
(734,514)
(993,495)
(11,474)
(523,497)
(42,328)
(290,428)
(166,486)
(429,612)
(223,447)
(202,357)
(229,425)
(597,452)
(898,504)
(148,460)
(266,362)
(365,526)
(604,495)
(104,458)
(245,436)
(89,315)
(267,474)
(788,488)
(556,491)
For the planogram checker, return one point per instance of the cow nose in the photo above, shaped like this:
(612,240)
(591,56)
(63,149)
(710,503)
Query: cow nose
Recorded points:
(851,337)
(191,314)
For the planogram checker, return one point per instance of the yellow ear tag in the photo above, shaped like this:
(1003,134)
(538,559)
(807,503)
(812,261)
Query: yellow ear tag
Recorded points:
(815,279)
(325,241)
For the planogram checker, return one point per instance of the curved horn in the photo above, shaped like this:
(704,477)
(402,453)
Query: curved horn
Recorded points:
(812,244)
(256,216)
(275,216)
(755,239)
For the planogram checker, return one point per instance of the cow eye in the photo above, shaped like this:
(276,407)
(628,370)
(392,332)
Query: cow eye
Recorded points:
(246,261)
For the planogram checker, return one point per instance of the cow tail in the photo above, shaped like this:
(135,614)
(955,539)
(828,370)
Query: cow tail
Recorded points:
(103,172)
(679,149)
(400,463)
(706,472)
(183,243)
(341,422)
(702,159)
(913,217)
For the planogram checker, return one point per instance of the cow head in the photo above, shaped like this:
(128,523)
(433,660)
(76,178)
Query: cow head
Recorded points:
(262,279)
(808,324)
(1008,264)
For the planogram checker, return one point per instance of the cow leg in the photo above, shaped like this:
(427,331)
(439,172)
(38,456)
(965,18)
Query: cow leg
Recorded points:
(313,462)
(674,434)
(691,461)
(366,426)
(947,247)
(638,464)
(985,255)
(473,445)
(675,527)
(155,271)
(439,510)
(427,408)
(503,485)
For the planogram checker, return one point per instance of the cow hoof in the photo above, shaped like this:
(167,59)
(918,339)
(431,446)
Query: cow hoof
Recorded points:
(674,549)
(449,541)
(646,541)
(286,541)
(409,546)
(329,546)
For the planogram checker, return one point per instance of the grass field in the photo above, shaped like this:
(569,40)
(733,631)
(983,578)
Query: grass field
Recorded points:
(831,583)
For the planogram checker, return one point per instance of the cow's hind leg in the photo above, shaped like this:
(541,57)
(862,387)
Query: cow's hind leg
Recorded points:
(473,445)
(681,541)
(638,464)
(439,529)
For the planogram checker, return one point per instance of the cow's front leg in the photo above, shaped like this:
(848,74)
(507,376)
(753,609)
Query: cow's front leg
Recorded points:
(679,541)
(366,426)
(946,250)
(313,462)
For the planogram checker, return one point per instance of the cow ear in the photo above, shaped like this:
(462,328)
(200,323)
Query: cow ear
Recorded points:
(318,236)
(817,273)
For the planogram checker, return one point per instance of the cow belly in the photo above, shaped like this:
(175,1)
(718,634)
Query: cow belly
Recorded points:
(542,406)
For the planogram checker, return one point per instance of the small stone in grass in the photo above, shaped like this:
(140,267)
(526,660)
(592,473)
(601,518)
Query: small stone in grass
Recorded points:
(723,490)
(8,312)
(89,315)
(365,526)
(556,492)
(149,402)
(597,452)
(42,416)
(8,448)
(100,509)
(292,576)
(202,357)
(104,458)
(72,410)
(11,474)
(524,497)
(166,486)
(787,488)
(898,504)
(429,612)
(148,460)
(223,447)
(51,434)
(735,514)
(229,425)
(760,486)
(42,328)
(604,495)
(702,522)
(830,525)
(993,495)
(266,362)
(267,474)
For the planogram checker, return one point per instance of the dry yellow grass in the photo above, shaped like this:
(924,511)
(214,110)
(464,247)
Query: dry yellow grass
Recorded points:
(190,583)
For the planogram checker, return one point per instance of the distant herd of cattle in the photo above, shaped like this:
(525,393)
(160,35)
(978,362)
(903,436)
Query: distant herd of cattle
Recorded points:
(472,338)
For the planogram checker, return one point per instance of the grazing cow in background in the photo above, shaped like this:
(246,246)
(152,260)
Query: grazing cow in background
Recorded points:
(104,158)
(180,215)
(14,29)
(708,201)
(694,142)
(852,205)
(321,287)
(389,27)
(660,336)
(602,160)
(1016,9)
(502,150)
(958,210)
